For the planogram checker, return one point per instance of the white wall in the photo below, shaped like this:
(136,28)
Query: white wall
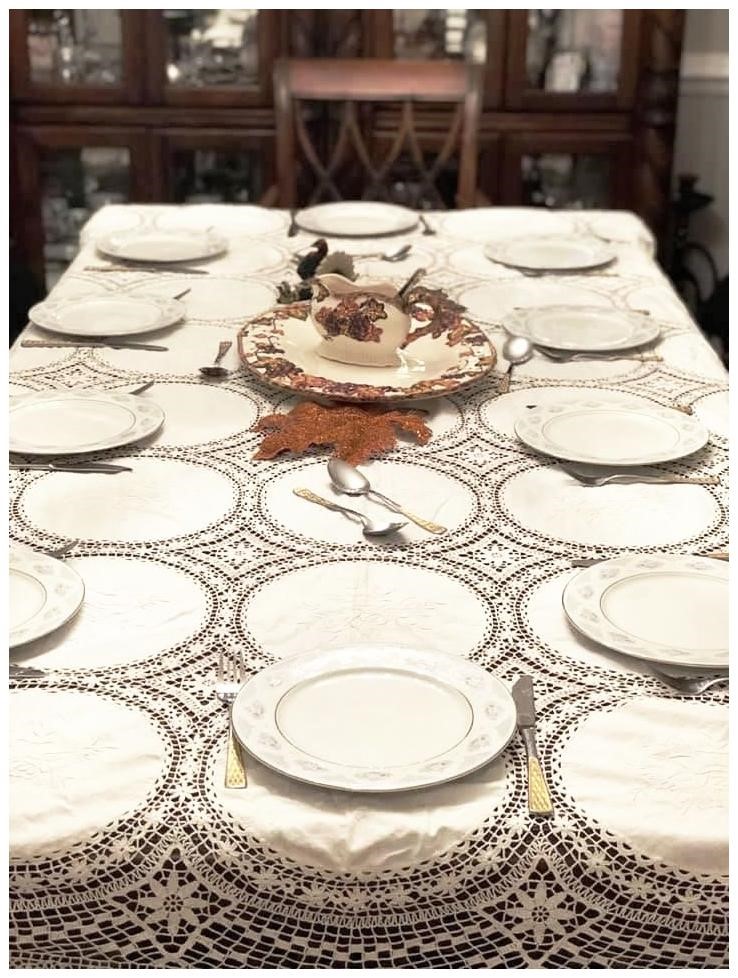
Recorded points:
(702,125)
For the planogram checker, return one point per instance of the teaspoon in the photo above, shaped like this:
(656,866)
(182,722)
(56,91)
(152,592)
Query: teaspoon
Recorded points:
(347,478)
(516,350)
(214,370)
(372,528)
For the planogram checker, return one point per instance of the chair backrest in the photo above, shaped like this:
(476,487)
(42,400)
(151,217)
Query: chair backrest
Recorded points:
(358,84)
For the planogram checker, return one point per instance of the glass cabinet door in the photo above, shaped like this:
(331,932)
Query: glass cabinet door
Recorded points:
(426,34)
(211,48)
(216,166)
(568,171)
(75,47)
(75,182)
(76,56)
(213,57)
(572,58)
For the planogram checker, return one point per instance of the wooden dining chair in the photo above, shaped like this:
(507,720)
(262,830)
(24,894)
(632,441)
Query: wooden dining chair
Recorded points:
(364,157)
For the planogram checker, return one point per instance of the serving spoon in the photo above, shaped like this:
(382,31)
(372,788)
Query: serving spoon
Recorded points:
(371,528)
(347,478)
(213,370)
(516,350)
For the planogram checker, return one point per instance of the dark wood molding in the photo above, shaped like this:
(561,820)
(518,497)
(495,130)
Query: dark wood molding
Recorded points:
(635,124)
(655,114)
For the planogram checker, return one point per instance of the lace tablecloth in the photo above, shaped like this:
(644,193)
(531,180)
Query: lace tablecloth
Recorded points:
(126,850)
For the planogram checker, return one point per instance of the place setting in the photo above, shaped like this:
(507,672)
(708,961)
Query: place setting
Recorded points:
(376,719)
(52,430)
(44,593)
(552,254)
(353,219)
(158,250)
(669,611)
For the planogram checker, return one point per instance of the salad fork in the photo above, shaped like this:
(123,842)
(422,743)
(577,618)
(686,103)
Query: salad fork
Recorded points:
(231,677)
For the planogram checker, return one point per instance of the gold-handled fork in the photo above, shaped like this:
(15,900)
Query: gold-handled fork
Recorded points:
(231,677)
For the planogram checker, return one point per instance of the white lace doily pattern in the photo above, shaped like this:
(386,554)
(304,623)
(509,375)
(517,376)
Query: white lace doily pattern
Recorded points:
(127,851)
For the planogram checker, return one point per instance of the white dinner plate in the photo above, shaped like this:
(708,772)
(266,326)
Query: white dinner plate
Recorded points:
(107,315)
(664,608)
(45,593)
(583,327)
(74,422)
(603,433)
(160,245)
(550,253)
(374,718)
(356,218)
(281,348)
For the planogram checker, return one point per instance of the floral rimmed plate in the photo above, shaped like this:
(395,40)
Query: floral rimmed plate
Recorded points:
(583,327)
(663,608)
(554,253)
(44,594)
(281,346)
(155,245)
(356,218)
(374,718)
(600,432)
(75,422)
(107,315)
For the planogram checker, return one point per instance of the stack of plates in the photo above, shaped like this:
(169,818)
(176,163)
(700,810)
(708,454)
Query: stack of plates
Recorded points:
(374,718)
(155,245)
(106,315)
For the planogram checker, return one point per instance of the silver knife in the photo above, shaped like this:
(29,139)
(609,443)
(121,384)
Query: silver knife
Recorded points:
(182,270)
(539,799)
(69,467)
(93,343)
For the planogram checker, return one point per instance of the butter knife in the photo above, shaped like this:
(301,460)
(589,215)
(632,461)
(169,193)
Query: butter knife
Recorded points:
(539,799)
(64,467)
(179,270)
(93,343)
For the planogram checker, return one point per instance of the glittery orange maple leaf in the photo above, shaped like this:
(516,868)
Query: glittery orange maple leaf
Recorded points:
(356,433)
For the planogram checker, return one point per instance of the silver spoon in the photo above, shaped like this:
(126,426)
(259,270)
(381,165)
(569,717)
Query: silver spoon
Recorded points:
(214,370)
(516,350)
(372,528)
(347,478)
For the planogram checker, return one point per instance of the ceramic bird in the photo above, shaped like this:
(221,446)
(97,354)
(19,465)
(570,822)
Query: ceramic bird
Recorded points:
(308,265)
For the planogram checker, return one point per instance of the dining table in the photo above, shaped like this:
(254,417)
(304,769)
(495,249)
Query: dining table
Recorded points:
(126,848)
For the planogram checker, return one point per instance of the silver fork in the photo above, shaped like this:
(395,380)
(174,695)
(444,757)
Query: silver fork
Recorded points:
(231,677)
(691,685)
(560,356)
(626,479)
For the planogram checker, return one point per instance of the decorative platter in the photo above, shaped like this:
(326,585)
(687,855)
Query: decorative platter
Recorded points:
(159,245)
(75,422)
(551,253)
(604,433)
(373,718)
(663,608)
(44,594)
(107,315)
(356,218)
(584,328)
(280,347)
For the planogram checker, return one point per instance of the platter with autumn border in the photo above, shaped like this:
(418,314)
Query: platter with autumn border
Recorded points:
(280,347)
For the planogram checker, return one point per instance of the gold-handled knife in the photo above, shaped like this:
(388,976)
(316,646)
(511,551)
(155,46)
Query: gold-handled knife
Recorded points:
(539,799)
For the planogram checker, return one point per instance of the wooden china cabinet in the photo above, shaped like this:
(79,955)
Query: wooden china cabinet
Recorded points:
(176,105)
